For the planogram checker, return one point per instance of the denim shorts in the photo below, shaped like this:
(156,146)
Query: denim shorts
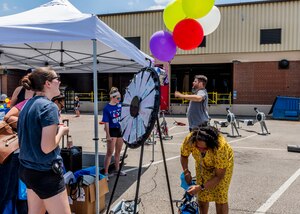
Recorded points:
(45,184)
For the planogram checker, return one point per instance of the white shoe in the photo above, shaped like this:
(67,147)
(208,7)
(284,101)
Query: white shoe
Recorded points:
(122,173)
(107,177)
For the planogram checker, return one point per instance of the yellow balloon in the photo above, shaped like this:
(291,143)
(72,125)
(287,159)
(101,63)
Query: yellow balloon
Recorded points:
(173,13)
(6,100)
(197,8)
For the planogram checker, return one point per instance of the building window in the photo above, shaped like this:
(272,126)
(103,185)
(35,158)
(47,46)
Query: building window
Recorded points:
(270,36)
(135,40)
(203,43)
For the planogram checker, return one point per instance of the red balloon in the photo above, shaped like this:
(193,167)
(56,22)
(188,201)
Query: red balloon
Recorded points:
(188,34)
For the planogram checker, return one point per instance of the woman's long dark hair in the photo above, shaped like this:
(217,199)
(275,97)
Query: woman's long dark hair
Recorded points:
(208,134)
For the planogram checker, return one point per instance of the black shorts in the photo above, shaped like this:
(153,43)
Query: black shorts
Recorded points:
(44,183)
(115,132)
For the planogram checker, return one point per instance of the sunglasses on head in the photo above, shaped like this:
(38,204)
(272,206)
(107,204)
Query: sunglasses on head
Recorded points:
(199,135)
(57,77)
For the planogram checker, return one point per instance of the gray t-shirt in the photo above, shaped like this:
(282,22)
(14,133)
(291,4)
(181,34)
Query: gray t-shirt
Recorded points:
(38,112)
(198,111)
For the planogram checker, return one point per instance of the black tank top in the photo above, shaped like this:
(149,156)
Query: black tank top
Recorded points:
(21,95)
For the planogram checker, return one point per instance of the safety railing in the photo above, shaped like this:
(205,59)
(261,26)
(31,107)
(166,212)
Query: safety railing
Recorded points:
(213,97)
(102,96)
(223,98)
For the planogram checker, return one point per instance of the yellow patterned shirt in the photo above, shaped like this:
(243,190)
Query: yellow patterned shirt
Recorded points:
(220,158)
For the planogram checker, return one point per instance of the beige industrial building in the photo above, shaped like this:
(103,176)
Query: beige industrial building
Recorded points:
(254,53)
(252,57)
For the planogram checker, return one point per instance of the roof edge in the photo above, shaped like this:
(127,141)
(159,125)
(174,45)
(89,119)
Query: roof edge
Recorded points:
(218,5)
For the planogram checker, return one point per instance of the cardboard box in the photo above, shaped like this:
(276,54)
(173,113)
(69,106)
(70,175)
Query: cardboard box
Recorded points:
(86,202)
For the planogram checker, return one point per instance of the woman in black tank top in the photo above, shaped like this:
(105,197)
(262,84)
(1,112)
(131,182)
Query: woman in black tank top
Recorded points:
(23,94)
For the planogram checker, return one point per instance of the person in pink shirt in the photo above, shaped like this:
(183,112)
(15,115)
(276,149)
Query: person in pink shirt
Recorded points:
(9,178)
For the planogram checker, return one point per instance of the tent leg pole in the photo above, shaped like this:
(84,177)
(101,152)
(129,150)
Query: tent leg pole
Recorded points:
(117,179)
(165,164)
(96,137)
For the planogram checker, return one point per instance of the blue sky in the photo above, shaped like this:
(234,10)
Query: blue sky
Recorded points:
(8,7)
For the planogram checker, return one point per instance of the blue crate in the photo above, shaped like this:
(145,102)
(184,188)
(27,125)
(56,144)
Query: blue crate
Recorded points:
(286,108)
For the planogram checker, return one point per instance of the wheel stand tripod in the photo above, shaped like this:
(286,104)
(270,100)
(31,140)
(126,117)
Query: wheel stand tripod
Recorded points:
(140,172)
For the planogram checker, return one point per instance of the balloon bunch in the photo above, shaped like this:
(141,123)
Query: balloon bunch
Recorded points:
(189,21)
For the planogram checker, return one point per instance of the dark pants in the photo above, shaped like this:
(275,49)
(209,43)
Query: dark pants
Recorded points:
(9,181)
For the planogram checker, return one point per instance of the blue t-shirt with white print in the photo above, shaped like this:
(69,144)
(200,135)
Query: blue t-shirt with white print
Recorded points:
(112,114)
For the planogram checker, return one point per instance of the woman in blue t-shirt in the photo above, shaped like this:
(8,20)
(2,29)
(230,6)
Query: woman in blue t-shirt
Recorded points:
(111,117)
(39,135)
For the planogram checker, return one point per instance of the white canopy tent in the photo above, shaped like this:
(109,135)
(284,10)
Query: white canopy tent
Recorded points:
(59,35)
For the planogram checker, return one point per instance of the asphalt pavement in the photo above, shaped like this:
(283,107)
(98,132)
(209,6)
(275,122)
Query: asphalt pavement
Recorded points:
(265,180)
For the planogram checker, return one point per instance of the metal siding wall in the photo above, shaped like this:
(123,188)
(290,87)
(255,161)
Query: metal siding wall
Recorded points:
(238,32)
(136,24)
(242,24)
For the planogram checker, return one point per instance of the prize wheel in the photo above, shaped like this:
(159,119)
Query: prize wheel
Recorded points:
(140,107)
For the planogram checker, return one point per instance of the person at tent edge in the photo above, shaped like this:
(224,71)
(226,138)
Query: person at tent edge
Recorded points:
(40,160)
(20,94)
(9,170)
(198,107)
(112,127)
(9,179)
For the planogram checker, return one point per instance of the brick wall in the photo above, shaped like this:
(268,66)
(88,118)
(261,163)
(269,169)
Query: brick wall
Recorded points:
(261,82)
(11,80)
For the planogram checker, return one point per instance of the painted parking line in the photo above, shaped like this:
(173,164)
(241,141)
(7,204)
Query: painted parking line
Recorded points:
(276,195)
(154,163)
(173,127)
(237,140)
(175,157)
(258,148)
(179,133)
(233,141)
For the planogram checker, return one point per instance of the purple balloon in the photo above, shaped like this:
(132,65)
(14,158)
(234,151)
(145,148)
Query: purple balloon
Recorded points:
(162,46)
